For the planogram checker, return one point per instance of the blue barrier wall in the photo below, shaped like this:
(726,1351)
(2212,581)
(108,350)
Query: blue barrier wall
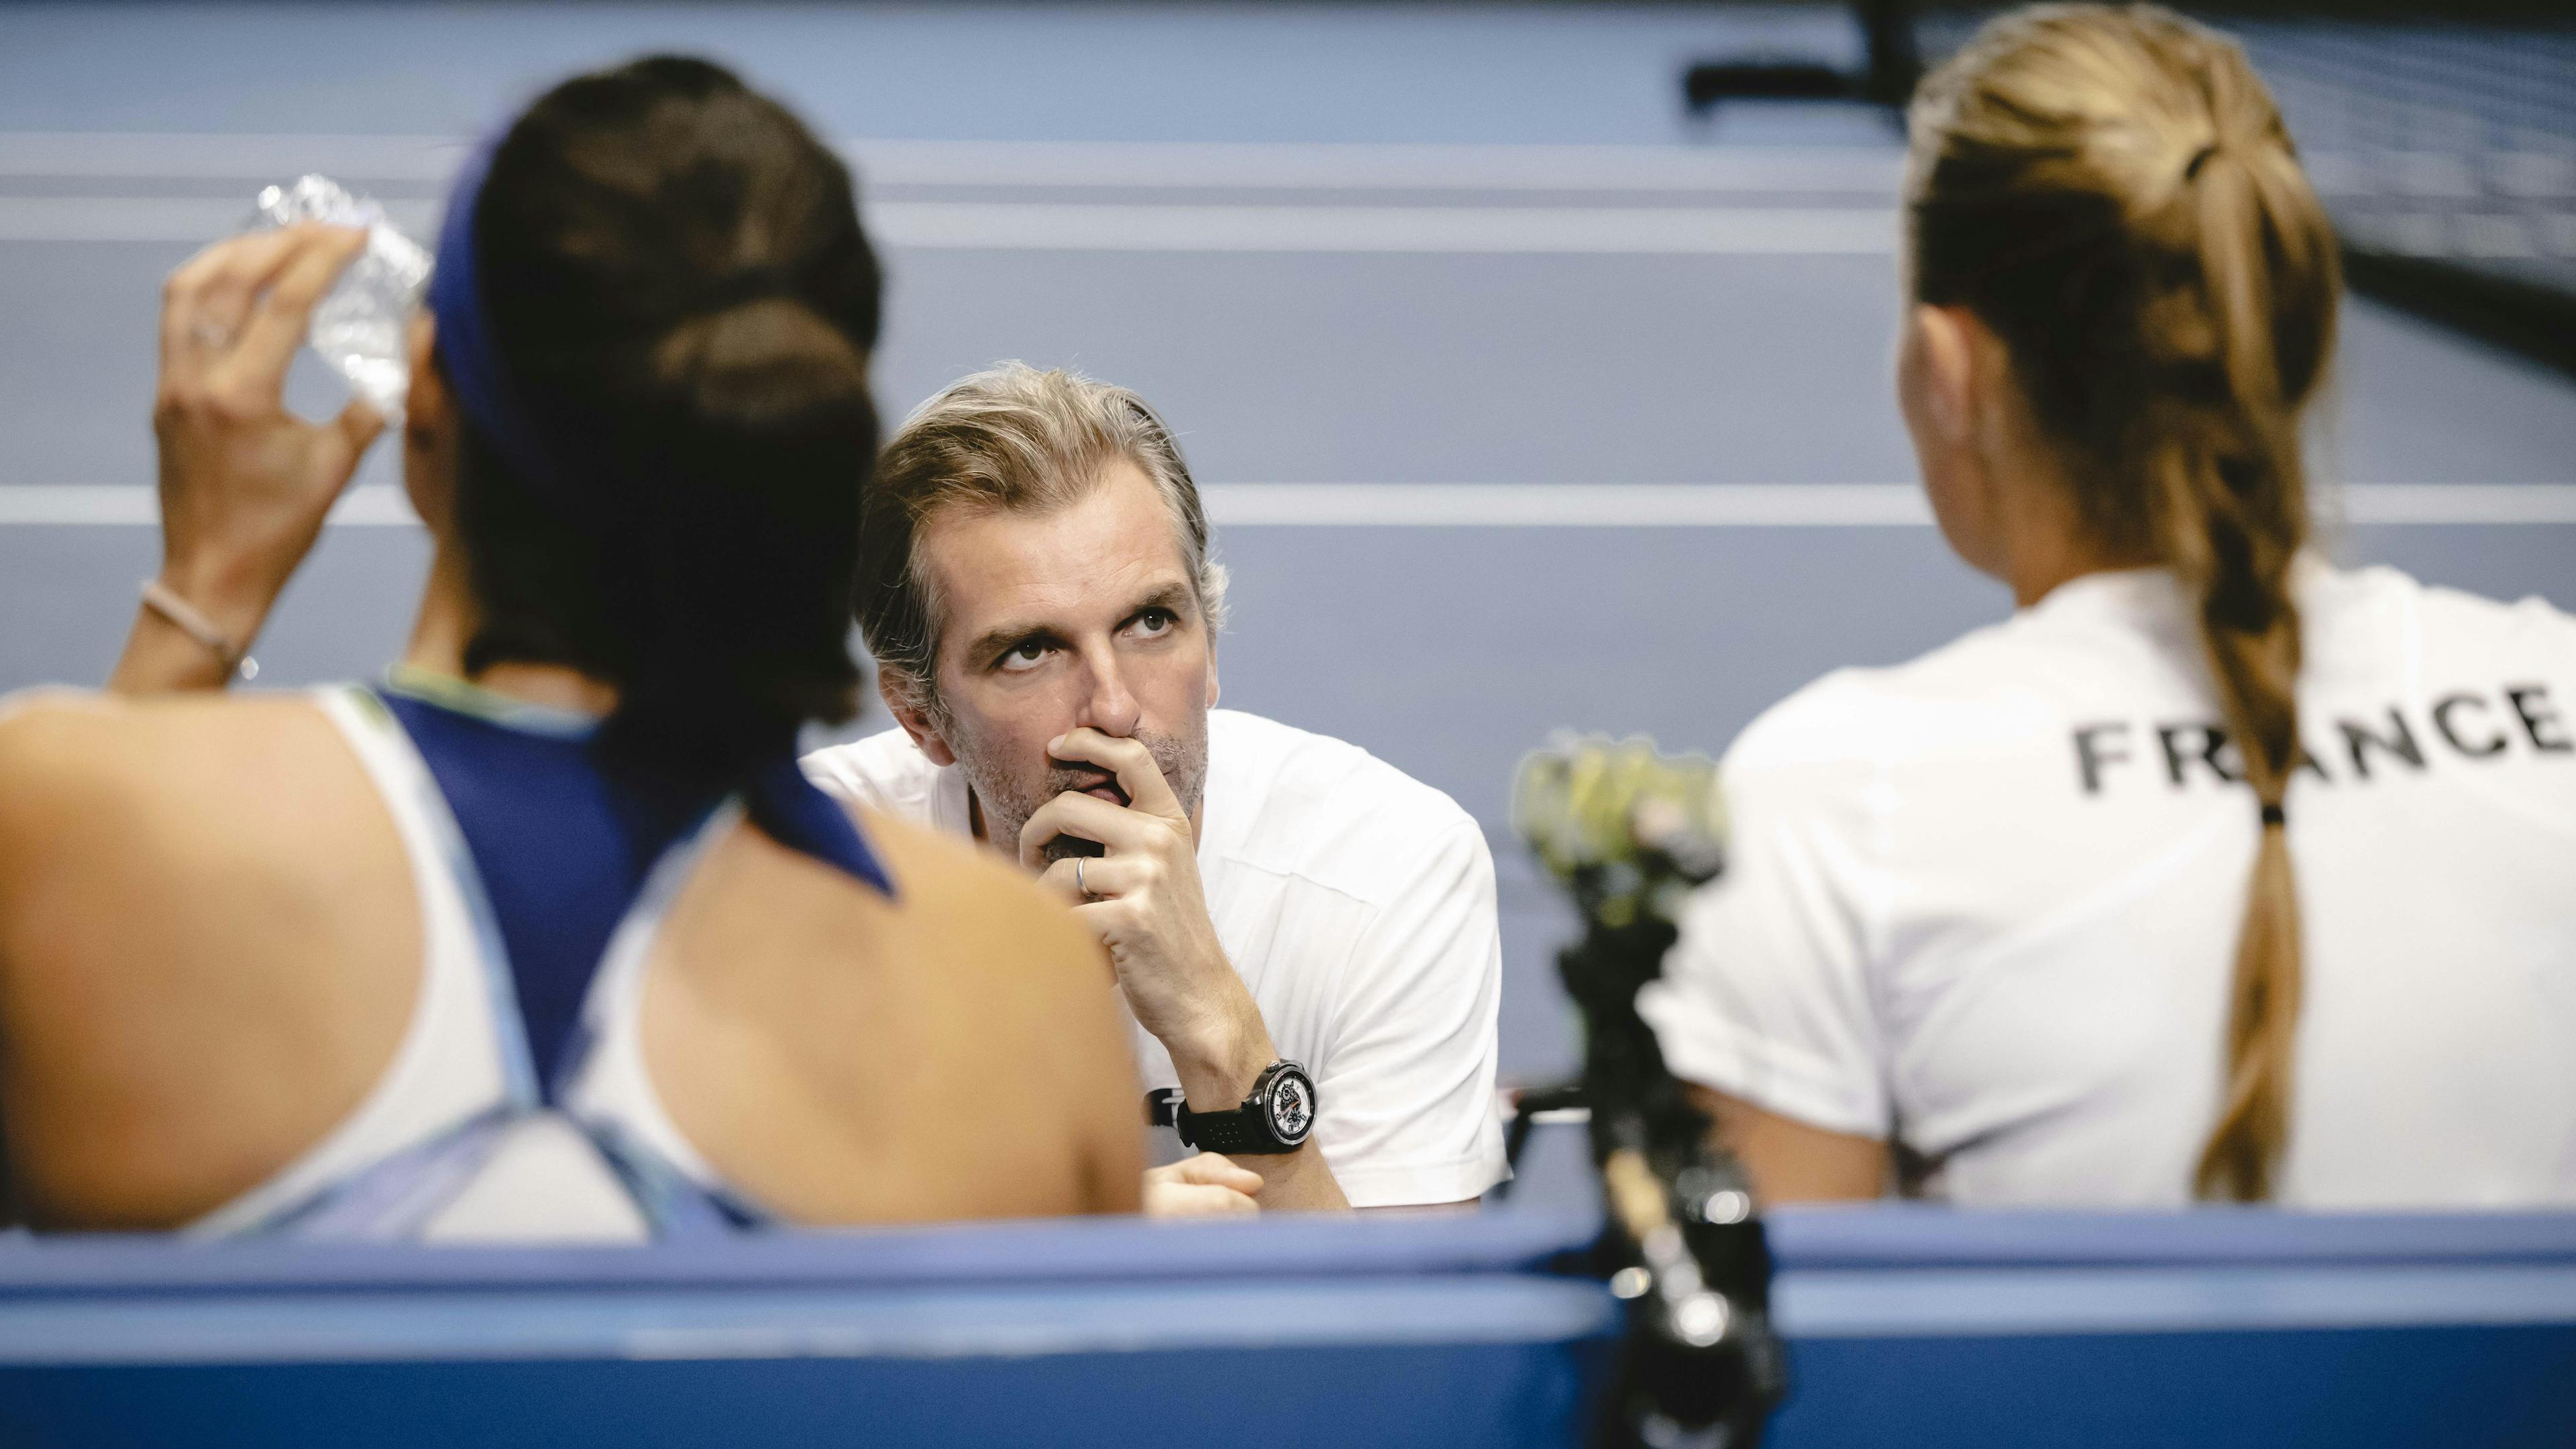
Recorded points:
(1937,1329)
(1075,1333)
(1905,1325)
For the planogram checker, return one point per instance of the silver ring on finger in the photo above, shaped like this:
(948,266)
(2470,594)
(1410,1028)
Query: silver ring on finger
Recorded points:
(1078,887)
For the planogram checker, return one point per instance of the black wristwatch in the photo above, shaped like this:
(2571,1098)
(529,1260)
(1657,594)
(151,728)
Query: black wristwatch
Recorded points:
(1274,1119)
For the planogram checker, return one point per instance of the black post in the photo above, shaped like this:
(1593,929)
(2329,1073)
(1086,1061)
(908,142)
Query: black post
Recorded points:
(1895,61)
(1891,64)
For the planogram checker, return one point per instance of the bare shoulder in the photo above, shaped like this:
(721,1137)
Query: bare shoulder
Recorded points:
(73,763)
(971,902)
(50,736)
(934,866)
(959,924)
(845,1055)
(192,891)
(73,727)
(150,799)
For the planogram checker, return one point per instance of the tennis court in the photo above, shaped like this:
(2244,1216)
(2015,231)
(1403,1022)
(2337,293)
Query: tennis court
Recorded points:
(1526,401)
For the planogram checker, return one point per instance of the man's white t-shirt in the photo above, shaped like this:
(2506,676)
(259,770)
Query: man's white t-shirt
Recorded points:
(1985,904)
(1357,904)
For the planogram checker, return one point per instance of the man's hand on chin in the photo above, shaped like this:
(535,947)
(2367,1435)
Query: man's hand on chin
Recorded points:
(1205,1186)
(1143,899)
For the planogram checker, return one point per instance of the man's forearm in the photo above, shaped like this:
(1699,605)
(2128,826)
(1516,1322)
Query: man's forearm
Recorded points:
(1299,1181)
(1218,1068)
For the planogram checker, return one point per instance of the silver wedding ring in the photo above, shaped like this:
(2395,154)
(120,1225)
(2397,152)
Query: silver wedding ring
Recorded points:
(1078,887)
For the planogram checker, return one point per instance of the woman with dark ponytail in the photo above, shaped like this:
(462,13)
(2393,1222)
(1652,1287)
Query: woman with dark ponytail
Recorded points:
(545,935)
(2019,922)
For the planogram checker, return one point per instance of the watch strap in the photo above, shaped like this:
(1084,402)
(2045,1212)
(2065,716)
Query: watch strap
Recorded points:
(1245,1129)
(1242,1130)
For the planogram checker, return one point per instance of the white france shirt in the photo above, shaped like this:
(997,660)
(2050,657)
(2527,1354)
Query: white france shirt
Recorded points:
(1985,904)
(1358,906)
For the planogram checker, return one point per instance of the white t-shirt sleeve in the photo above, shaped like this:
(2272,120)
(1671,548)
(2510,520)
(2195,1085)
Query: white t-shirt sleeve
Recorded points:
(884,772)
(841,771)
(1767,997)
(1408,1098)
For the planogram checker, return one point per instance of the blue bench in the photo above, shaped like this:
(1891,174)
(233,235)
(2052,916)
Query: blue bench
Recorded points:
(1906,1325)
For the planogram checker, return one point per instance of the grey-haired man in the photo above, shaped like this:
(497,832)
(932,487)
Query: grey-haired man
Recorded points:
(1304,934)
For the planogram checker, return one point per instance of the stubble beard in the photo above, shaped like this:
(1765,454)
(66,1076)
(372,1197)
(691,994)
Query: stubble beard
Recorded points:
(1008,798)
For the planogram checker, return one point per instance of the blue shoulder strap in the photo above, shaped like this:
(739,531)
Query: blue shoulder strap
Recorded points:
(396,1197)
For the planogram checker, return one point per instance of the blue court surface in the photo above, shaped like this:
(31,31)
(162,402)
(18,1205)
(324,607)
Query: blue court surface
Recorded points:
(1524,402)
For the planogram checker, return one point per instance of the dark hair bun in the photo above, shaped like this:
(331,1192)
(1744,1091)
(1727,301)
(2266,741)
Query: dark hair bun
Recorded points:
(676,278)
(763,365)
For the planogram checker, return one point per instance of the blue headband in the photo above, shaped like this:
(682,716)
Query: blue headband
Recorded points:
(776,794)
(464,340)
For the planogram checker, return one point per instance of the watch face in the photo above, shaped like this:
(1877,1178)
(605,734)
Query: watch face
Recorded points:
(1292,1106)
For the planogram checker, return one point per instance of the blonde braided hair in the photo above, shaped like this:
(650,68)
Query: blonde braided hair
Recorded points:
(2112,191)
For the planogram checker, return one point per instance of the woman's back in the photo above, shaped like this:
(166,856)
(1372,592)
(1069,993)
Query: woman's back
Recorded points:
(214,954)
(1985,903)
(572,949)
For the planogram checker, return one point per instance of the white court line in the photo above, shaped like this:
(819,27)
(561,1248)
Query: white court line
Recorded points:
(135,505)
(203,156)
(1380,165)
(1106,227)
(2459,503)
(1140,164)
(1775,505)
(252,159)
(1491,505)
(1559,505)
(1700,231)
(138,218)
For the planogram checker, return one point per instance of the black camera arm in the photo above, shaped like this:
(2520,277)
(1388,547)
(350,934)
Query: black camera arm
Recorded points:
(1629,833)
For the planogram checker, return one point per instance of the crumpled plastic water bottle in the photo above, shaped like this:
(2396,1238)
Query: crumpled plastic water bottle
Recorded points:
(359,327)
